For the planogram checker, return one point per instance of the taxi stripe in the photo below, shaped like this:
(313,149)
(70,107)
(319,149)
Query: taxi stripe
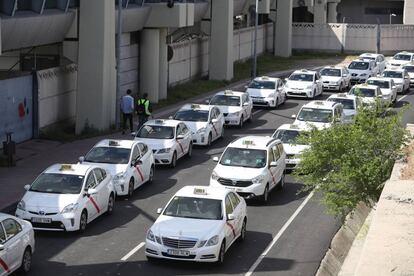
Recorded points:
(4,265)
(232,228)
(215,130)
(181,146)
(140,172)
(94,204)
(273,177)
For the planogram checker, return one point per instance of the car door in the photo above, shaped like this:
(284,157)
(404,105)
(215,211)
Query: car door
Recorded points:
(220,120)
(216,128)
(4,257)
(280,92)
(91,202)
(13,243)
(145,165)
(272,170)
(406,80)
(237,212)
(137,171)
(230,231)
(318,83)
(102,189)
(188,137)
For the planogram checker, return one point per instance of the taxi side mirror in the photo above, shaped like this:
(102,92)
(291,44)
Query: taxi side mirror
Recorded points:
(92,192)
(133,134)
(27,187)
(159,211)
(1,247)
(273,164)
(246,104)
(207,101)
(345,75)
(214,121)
(215,159)
(293,116)
(171,117)
(230,217)
(180,137)
(81,159)
(136,163)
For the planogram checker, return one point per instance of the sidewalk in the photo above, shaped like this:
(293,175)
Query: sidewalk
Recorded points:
(34,156)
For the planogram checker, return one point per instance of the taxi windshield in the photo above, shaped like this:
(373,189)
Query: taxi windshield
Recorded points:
(55,183)
(301,77)
(380,84)
(363,92)
(247,158)
(156,132)
(393,74)
(358,65)
(109,155)
(288,136)
(346,103)
(316,115)
(256,84)
(402,57)
(225,100)
(331,72)
(409,69)
(192,115)
(194,208)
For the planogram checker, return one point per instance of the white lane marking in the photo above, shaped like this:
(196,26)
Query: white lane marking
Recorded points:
(279,234)
(402,98)
(133,251)
(257,111)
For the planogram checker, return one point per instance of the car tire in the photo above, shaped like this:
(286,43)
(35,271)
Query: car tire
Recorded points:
(209,139)
(83,221)
(241,122)
(151,259)
(276,103)
(111,202)
(312,96)
(26,261)
(174,160)
(131,187)
(221,254)
(151,175)
(265,196)
(243,231)
(222,133)
(190,150)
(281,183)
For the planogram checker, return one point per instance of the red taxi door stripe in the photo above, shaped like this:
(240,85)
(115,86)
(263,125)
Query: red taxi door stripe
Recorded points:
(232,228)
(273,177)
(182,149)
(139,172)
(94,204)
(4,265)
(215,130)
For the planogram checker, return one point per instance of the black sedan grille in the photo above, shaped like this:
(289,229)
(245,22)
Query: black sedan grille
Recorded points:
(238,183)
(178,243)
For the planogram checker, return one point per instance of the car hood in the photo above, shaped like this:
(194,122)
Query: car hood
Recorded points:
(330,78)
(298,84)
(399,62)
(397,80)
(229,109)
(259,92)
(294,149)
(386,91)
(194,126)
(156,144)
(174,227)
(112,169)
(305,124)
(358,72)
(49,203)
(239,173)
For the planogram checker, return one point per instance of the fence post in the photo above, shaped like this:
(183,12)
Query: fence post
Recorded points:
(378,37)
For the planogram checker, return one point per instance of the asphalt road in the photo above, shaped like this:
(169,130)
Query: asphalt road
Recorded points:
(295,225)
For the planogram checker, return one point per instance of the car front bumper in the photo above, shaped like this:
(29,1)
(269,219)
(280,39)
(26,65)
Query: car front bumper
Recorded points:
(200,139)
(163,158)
(331,86)
(248,192)
(358,80)
(232,120)
(264,101)
(59,222)
(121,187)
(301,93)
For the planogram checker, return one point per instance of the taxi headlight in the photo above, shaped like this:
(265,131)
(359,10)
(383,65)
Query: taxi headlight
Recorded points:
(120,176)
(213,241)
(214,176)
(258,180)
(70,208)
(150,236)
(201,130)
(201,243)
(166,150)
(21,205)
(363,75)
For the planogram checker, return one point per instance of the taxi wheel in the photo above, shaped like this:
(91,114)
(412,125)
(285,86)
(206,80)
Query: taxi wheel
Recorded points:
(243,231)
(222,253)
(26,260)
(130,187)
(222,132)
(151,175)
(111,202)
(265,196)
(281,183)
(341,87)
(209,140)
(174,160)
(83,221)
(277,103)
(241,122)
(190,150)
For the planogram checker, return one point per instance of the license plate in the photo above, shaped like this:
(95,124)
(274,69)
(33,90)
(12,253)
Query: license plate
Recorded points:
(234,189)
(176,252)
(42,220)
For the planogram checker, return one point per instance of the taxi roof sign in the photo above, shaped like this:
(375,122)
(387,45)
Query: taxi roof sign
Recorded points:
(294,126)
(319,103)
(228,92)
(113,143)
(195,106)
(66,167)
(159,121)
(248,142)
(200,191)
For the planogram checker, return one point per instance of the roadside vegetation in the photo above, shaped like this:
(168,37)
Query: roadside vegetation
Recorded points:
(349,163)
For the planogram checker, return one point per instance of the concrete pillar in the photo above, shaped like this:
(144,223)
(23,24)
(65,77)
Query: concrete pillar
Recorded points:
(221,41)
(163,81)
(332,13)
(95,98)
(283,32)
(150,64)
(408,12)
(319,12)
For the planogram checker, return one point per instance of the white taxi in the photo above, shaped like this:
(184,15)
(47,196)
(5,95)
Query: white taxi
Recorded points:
(198,224)
(304,84)
(320,114)
(350,105)
(169,140)
(380,63)
(237,107)
(387,86)
(410,70)
(67,197)
(266,91)
(252,166)
(361,70)
(400,78)
(288,134)
(335,78)
(205,121)
(130,163)
(400,59)
(17,245)
(370,95)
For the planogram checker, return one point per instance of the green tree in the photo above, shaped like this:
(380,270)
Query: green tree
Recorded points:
(349,163)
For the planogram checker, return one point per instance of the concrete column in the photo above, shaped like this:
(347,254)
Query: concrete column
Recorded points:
(150,64)
(221,41)
(95,98)
(332,13)
(283,33)
(408,12)
(319,12)
(163,81)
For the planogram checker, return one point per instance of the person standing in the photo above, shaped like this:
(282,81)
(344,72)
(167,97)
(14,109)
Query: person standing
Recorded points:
(143,110)
(127,109)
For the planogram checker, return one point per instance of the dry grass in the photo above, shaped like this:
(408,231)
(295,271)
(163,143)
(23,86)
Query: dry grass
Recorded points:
(407,172)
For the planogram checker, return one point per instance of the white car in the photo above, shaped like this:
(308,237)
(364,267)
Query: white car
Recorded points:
(350,104)
(67,197)
(169,140)
(335,78)
(369,95)
(319,114)
(380,63)
(400,59)
(304,84)
(252,166)
(130,163)
(205,121)
(410,70)
(198,224)
(266,91)
(387,86)
(288,134)
(17,244)
(400,77)
(361,70)
(237,107)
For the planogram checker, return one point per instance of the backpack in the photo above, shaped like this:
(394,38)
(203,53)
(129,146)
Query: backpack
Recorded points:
(141,106)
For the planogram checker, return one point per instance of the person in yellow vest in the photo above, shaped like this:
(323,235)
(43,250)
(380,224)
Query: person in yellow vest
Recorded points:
(143,110)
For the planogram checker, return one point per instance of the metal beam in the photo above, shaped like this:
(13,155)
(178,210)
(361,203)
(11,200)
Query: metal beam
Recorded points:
(8,7)
(63,5)
(38,6)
